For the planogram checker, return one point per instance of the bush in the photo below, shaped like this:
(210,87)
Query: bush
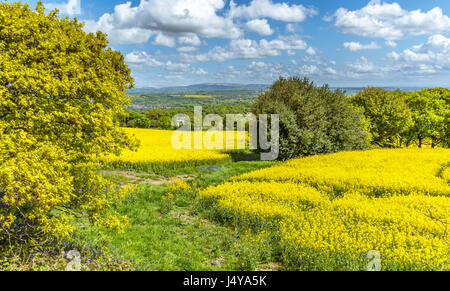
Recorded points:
(313,120)
(61,90)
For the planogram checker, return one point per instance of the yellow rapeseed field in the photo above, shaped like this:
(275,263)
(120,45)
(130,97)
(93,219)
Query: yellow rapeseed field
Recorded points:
(350,203)
(157,152)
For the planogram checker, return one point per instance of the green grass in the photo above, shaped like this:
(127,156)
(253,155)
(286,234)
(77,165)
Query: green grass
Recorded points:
(169,236)
(168,169)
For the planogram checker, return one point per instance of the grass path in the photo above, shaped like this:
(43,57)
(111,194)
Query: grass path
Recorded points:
(178,238)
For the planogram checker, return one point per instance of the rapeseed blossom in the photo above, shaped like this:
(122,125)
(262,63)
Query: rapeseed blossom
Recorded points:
(351,203)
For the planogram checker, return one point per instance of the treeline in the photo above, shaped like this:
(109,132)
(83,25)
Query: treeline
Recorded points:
(403,119)
(319,120)
(162,118)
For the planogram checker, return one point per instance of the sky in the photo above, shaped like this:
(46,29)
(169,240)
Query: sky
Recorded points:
(351,43)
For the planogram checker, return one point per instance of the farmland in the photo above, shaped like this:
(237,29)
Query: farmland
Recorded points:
(156,153)
(330,211)
(96,174)
(323,212)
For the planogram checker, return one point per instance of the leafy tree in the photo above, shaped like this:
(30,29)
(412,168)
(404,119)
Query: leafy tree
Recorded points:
(137,120)
(313,120)
(388,114)
(60,92)
(431,117)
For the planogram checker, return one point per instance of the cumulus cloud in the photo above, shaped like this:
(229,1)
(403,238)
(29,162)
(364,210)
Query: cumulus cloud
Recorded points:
(140,59)
(356,46)
(192,39)
(260,26)
(330,71)
(187,49)
(389,21)
(72,7)
(164,40)
(311,51)
(391,43)
(429,57)
(361,65)
(268,72)
(268,9)
(170,17)
(194,18)
(248,49)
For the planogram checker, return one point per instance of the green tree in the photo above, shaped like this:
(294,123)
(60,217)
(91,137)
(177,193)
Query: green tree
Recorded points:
(431,117)
(61,90)
(313,120)
(387,113)
(137,120)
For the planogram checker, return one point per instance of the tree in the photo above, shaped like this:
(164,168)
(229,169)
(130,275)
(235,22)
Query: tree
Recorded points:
(137,120)
(313,120)
(61,90)
(387,113)
(431,117)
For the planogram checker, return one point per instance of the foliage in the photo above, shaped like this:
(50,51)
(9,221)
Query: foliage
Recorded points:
(329,211)
(60,256)
(161,118)
(313,120)
(431,117)
(60,92)
(387,113)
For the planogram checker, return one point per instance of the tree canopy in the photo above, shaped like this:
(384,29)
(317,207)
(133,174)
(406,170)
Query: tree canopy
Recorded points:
(313,120)
(387,113)
(431,117)
(61,91)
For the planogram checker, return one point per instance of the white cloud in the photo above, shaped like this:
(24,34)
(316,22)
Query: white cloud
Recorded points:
(260,26)
(330,71)
(268,9)
(391,43)
(389,21)
(72,7)
(191,39)
(140,59)
(432,56)
(361,65)
(290,27)
(130,35)
(188,20)
(187,49)
(164,40)
(267,72)
(310,51)
(356,46)
(248,49)
(171,17)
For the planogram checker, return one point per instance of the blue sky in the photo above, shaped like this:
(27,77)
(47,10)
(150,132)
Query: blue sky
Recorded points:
(342,43)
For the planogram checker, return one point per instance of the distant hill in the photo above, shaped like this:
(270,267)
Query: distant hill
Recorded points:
(199,87)
(210,87)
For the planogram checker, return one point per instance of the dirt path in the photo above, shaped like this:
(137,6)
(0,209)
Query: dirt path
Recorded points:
(128,177)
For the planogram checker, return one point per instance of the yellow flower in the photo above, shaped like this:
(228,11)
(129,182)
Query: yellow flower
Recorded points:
(351,203)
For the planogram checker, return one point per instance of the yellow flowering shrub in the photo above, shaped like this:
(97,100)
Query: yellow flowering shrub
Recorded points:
(324,205)
(60,94)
